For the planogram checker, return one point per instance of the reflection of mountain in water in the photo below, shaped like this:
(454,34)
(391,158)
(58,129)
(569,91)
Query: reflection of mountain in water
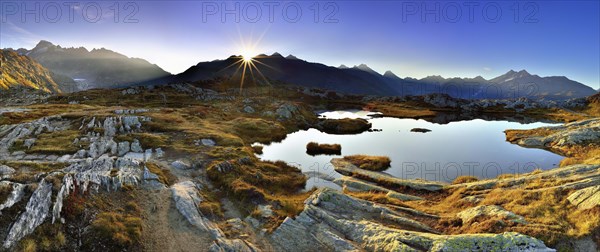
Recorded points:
(445,118)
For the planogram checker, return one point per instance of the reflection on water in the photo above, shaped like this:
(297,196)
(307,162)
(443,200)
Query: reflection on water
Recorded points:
(474,147)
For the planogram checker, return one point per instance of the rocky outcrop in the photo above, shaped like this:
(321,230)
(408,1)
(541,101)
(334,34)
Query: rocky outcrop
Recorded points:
(353,184)
(16,194)
(65,189)
(332,221)
(286,111)
(558,137)
(346,168)
(104,164)
(35,214)
(586,198)
(186,197)
(570,177)
(489,211)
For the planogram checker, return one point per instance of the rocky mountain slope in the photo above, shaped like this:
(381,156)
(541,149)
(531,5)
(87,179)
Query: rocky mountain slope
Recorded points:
(21,73)
(99,68)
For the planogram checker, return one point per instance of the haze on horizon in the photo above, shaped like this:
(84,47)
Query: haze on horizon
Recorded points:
(412,39)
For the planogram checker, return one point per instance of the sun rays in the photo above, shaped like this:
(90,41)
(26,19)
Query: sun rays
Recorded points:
(247,63)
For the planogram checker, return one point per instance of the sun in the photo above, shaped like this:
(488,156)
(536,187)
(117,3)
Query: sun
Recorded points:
(247,56)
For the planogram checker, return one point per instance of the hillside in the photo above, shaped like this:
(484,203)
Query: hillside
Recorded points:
(23,73)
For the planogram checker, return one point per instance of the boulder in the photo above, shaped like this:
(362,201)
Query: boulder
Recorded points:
(248,109)
(286,111)
(208,142)
(35,213)
(136,146)
(586,198)
(6,170)
(29,142)
(180,164)
(18,190)
(122,148)
(489,211)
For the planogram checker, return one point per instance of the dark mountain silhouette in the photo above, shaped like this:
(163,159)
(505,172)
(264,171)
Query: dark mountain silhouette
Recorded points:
(362,79)
(295,71)
(100,68)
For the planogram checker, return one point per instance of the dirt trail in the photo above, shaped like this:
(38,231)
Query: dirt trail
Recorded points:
(165,229)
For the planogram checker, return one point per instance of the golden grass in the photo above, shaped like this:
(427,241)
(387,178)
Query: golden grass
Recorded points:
(164,175)
(121,230)
(210,205)
(464,179)
(57,143)
(257,130)
(35,166)
(378,197)
(373,163)
(46,237)
(550,216)
(515,135)
(314,148)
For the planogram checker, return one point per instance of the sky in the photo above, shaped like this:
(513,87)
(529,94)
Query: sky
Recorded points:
(410,38)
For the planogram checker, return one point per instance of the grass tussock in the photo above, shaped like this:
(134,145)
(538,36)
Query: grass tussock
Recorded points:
(344,126)
(210,205)
(314,148)
(258,149)
(46,237)
(164,175)
(464,179)
(121,230)
(378,197)
(257,130)
(257,182)
(373,163)
(55,143)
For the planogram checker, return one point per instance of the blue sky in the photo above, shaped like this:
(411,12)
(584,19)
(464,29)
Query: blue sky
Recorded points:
(410,38)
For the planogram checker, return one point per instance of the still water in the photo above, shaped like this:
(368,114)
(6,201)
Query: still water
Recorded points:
(473,147)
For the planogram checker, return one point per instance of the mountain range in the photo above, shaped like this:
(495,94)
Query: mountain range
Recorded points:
(103,68)
(361,79)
